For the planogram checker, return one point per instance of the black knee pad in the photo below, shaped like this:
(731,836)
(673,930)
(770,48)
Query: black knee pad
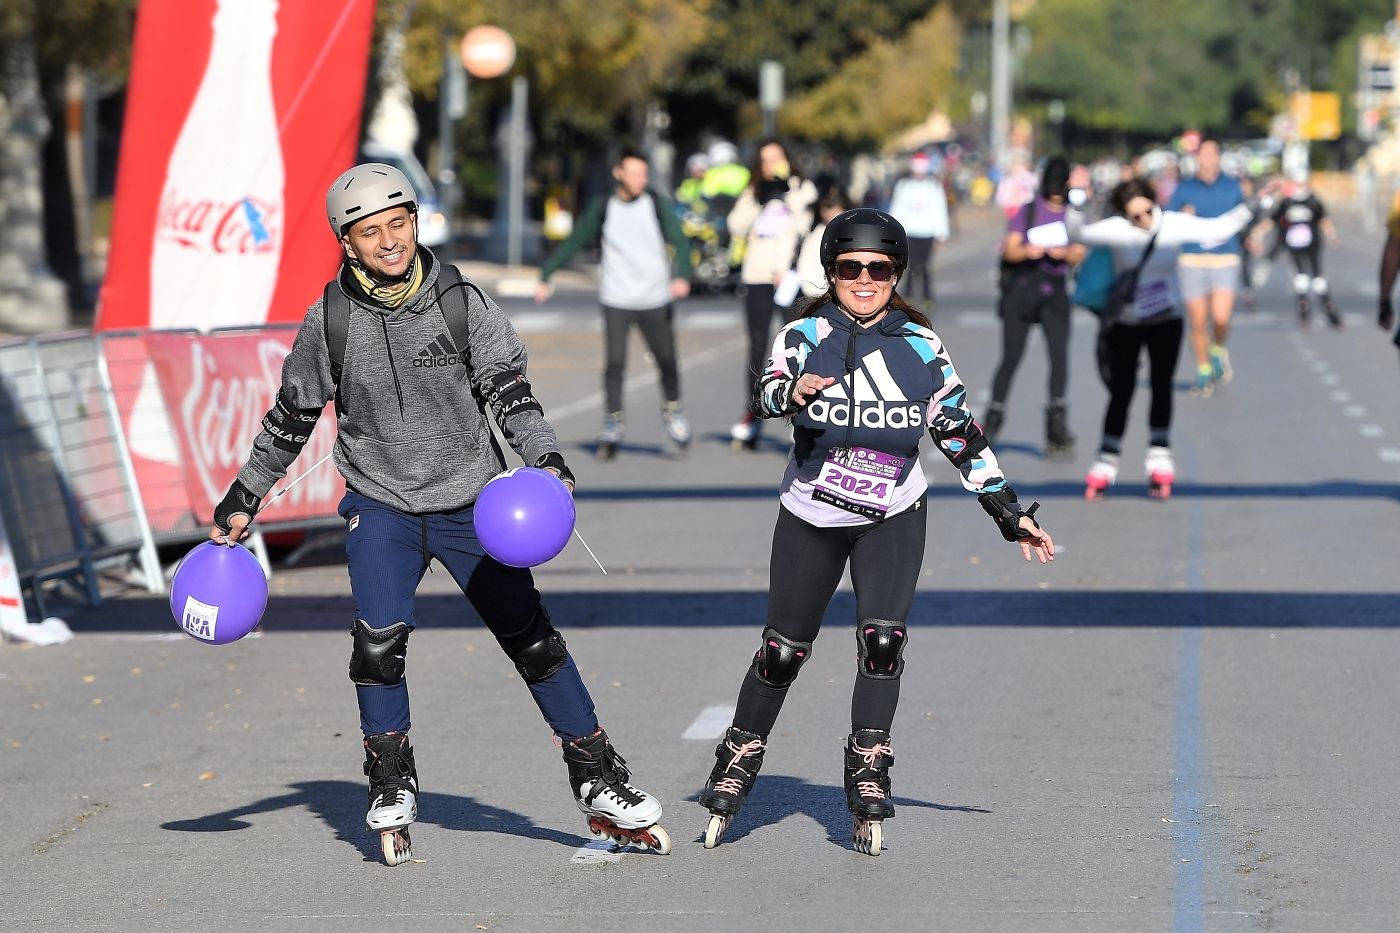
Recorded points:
(538,652)
(377,656)
(778,659)
(880,647)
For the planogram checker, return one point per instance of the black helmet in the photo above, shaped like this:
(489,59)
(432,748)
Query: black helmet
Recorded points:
(865,229)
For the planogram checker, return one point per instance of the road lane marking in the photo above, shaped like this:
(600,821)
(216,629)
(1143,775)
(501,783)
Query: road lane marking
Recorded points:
(1372,430)
(711,723)
(597,852)
(1390,454)
(1355,411)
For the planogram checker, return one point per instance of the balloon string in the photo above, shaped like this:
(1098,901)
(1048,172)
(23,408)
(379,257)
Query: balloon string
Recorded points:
(268,504)
(590,551)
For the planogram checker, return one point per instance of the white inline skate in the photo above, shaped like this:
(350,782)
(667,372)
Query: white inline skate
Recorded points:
(745,433)
(610,437)
(1161,472)
(393,793)
(1103,473)
(615,809)
(677,425)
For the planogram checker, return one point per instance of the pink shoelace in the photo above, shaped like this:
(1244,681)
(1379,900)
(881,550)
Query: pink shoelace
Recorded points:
(731,785)
(868,755)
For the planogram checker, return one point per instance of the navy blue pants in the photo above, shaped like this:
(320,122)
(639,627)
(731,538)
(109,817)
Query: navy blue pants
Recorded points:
(389,551)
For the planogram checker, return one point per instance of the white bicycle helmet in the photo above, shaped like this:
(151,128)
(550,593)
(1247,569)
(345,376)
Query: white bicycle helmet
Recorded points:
(367,189)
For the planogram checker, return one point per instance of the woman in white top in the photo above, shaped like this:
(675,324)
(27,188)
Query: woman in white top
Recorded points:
(1144,237)
(809,258)
(771,215)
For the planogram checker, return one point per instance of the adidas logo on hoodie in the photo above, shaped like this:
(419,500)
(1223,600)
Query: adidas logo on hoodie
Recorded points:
(440,352)
(867,398)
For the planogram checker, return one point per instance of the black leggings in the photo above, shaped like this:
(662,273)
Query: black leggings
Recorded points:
(920,267)
(758,316)
(1125,343)
(659,333)
(1307,261)
(1022,306)
(806,566)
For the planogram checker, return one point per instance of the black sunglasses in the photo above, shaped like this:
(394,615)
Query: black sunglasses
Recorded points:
(848,270)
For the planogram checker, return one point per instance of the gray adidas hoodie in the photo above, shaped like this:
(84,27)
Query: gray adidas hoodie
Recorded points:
(411,431)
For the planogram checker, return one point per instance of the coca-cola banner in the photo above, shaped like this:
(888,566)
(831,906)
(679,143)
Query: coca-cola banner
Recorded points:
(239,115)
(217,389)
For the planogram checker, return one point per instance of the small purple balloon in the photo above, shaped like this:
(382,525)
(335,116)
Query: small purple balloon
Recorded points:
(218,593)
(524,516)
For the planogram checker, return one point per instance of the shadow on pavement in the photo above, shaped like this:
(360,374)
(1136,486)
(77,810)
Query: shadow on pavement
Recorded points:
(573,611)
(776,797)
(1338,489)
(341,806)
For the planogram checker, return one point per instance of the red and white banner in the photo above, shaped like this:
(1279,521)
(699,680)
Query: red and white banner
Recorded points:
(217,389)
(240,114)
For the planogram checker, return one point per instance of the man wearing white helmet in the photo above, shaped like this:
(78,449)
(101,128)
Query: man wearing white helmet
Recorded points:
(414,356)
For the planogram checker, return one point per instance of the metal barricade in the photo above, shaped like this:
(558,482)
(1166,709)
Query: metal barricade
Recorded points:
(66,485)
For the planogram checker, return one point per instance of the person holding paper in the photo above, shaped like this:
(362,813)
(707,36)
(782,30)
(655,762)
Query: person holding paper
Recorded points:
(1036,258)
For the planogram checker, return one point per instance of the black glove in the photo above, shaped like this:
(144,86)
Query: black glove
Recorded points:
(237,501)
(1386,318)
(555,461)
(771,190)
(1002,506)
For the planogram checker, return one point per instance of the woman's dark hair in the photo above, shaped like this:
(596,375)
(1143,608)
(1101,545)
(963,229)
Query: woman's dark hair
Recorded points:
(756,166)
(809,306)
(1054,179)
(1124,192)
(834,196)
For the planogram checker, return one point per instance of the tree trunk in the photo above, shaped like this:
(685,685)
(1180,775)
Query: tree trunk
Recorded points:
(32,300)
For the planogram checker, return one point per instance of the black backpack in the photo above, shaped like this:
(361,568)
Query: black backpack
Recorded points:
(337,317)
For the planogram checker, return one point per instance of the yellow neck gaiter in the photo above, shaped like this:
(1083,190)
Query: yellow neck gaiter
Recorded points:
(391,296)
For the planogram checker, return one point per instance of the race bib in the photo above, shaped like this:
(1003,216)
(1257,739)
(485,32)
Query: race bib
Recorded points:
(773,221)
(858,480)
(1152,298)
(1298,236)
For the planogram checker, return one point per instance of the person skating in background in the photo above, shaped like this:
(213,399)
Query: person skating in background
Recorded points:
(644,266)
(861,376)
(1390,266)
(1302,222)
(772,214)
(1210,270)
(1146,242)
(1037,257)
(920,204)
(415,447)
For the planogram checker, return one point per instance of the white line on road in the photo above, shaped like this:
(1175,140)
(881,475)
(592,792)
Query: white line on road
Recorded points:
(527,322)
(711,723)
(597,852)
(1372,430)
(1329,379)
(1390,454)
(1355,411)
(1320,366)
(709,320)
(1341,395)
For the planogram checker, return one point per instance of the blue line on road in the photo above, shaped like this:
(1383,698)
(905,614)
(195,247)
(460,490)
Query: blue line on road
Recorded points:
(1188,891)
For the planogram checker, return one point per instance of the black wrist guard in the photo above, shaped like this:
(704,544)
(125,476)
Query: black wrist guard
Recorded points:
(509,393)
(773,396)
(1002,506)
(555,461)
(237,501)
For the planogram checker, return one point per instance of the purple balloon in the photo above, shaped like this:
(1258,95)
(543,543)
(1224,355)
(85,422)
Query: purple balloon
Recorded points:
(218,593)
(524,516)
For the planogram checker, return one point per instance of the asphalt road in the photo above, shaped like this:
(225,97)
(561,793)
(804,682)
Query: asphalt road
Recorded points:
(1185,723)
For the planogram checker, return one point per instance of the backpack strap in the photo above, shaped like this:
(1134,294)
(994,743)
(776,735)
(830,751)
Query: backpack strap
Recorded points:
(452,302)
(336,319)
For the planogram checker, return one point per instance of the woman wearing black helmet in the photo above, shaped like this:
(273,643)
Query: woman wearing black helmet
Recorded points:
(861,376)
